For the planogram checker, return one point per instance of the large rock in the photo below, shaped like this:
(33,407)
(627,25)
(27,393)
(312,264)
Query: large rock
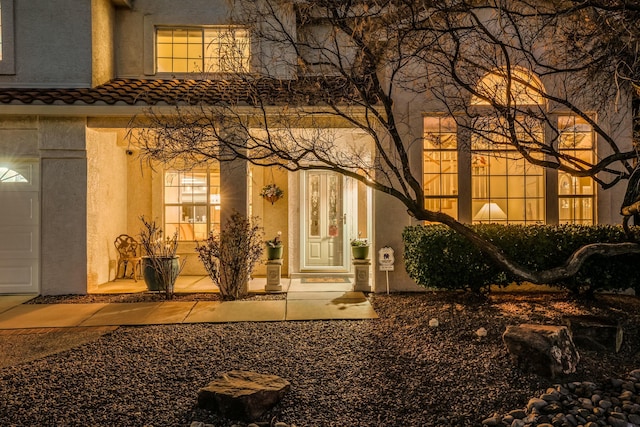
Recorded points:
(595,332)
(545,349)
(242,394)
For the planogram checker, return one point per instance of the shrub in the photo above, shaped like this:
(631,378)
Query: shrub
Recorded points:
(437,257)
(230,257)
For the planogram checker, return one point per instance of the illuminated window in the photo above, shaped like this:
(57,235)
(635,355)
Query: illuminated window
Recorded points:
(202,50)
(524,88)
(10,175)
(505,187)
(192,203)
(576,194)
(440,167)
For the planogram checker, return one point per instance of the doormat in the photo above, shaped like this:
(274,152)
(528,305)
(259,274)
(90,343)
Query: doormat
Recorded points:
(328,279)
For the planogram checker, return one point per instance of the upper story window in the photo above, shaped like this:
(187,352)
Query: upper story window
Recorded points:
(202,50)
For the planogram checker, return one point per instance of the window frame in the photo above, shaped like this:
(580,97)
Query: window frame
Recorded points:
(209,204)
(573,195)
(201,69)
(440,196)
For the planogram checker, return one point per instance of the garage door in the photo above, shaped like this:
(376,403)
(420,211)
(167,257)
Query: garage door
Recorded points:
(19,227)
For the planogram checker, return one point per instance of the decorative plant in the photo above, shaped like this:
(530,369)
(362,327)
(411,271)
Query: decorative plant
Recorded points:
(359,242)
(230,257)
(272,193)
(276,242)
(161,251)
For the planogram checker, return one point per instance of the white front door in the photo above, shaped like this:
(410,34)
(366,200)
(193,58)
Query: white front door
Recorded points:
(19,227)
(325,222)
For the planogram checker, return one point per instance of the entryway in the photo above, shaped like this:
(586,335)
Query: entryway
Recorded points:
(333,210)
(19,227)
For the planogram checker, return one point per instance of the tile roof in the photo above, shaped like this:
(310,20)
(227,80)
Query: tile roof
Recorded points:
(173,92)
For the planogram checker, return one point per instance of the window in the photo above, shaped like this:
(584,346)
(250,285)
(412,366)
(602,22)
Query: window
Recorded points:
(505,187)
(440,167)
(576,194)
(526,88)
(202,50)
(192,203)
(10,175)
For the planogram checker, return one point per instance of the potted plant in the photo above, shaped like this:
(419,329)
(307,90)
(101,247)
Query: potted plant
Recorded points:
(272,193)
(275,247)
(360,248)
(160,265)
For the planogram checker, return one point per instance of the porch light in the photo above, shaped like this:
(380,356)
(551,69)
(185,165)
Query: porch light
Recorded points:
(490,212)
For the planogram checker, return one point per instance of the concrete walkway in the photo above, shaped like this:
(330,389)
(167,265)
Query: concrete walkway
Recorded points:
(328,302)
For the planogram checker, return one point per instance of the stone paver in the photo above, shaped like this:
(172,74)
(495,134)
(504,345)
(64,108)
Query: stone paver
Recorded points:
(49,315)
(326,302)
(146,313)
(237,311)
(10,301)
(340,308)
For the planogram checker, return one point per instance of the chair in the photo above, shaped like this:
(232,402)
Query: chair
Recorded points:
(128,253)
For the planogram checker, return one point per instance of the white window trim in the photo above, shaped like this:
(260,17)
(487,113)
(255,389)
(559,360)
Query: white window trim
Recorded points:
(7,63)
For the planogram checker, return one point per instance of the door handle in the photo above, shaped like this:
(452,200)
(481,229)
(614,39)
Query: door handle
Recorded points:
(344,218)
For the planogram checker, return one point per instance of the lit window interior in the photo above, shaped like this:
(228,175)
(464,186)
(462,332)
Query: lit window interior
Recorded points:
(192,203)
(197,50)
(525,88)
(505,187)
(576,194)
(440,167)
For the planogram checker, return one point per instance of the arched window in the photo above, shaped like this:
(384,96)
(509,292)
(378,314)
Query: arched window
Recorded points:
(9,175)
(505,187)
(523,87)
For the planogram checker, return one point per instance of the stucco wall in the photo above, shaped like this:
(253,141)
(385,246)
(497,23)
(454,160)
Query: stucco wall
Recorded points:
(64,205)
(273,217)
(106,204)
(19,137)
(52,43)
(102,34)
(134,39)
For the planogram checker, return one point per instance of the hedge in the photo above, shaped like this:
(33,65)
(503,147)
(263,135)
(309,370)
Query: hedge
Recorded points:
(437,257)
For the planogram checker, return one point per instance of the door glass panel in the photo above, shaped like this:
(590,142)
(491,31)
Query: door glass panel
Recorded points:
(324,241)
(314,208)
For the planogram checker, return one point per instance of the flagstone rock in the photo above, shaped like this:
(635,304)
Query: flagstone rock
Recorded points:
(547,350)
(595,332)
(243,395)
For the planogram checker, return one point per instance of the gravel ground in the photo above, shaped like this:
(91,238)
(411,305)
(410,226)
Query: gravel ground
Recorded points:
(393,371)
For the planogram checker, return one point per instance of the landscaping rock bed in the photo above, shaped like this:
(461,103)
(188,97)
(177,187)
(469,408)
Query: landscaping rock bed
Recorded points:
(615,402)
(396,370)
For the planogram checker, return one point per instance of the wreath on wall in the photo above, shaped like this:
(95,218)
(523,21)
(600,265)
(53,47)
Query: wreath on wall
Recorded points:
(272,193)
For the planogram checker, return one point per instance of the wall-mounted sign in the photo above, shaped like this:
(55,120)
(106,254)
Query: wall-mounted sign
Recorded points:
(386,259)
